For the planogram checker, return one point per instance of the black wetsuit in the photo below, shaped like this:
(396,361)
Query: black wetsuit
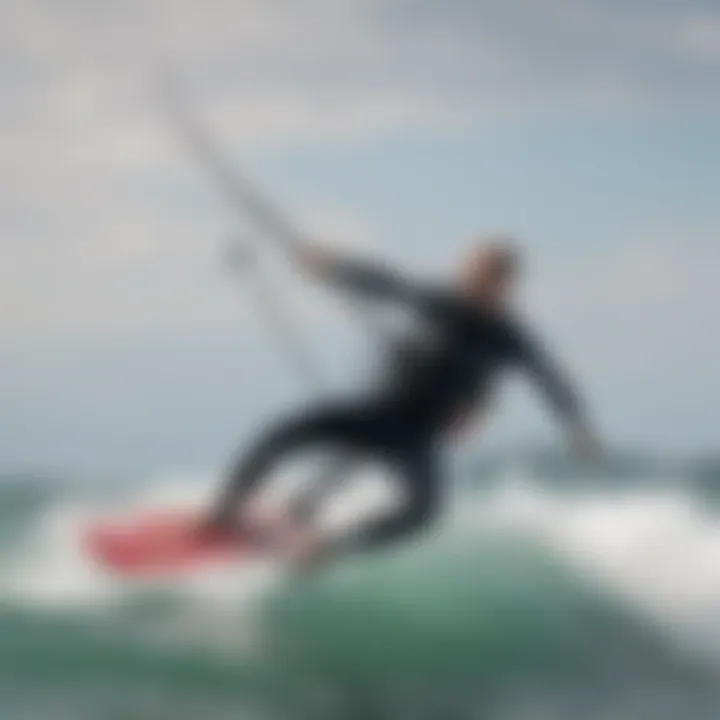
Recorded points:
(451,364)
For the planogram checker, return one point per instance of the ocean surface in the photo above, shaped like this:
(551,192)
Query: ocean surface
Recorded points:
(547,593)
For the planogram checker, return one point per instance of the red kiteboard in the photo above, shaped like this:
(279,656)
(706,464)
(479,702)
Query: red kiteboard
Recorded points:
(161,543)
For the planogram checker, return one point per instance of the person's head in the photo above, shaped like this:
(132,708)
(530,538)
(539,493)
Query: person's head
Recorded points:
(490,269)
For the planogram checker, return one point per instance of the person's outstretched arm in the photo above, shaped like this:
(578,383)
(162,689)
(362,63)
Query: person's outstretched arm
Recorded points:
(366,279)
(559,392)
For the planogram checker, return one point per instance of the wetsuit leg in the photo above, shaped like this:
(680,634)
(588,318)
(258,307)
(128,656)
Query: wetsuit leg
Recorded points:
(344,427)
(418,469)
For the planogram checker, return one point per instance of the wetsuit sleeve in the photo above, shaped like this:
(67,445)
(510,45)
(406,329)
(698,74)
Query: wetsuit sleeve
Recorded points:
(557,388)
(377,283)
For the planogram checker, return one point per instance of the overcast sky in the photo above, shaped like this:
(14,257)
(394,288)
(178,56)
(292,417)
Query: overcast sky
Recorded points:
(589,128)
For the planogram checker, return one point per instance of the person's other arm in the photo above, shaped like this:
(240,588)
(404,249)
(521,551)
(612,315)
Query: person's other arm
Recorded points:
(559,392)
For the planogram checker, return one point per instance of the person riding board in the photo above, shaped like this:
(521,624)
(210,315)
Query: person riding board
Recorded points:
(434,384)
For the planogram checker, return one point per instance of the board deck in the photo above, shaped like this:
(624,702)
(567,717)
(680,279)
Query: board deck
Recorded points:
(161,543)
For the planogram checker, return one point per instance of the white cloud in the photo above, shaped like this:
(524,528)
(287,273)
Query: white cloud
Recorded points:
(100,227)
(700,36)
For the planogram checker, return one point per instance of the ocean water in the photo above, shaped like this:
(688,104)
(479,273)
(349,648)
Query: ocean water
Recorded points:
(547,593)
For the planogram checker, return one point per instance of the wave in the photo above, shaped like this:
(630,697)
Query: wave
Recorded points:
(529,599)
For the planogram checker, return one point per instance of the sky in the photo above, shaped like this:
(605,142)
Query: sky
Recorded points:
(404,128)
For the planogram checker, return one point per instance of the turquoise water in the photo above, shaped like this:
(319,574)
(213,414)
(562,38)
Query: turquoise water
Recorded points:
(531,602)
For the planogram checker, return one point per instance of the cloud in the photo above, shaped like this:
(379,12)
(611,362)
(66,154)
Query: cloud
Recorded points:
(699,37)
(352,66)
(99,217)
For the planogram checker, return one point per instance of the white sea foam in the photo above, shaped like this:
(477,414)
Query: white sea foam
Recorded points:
(50,568)
(655,548)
